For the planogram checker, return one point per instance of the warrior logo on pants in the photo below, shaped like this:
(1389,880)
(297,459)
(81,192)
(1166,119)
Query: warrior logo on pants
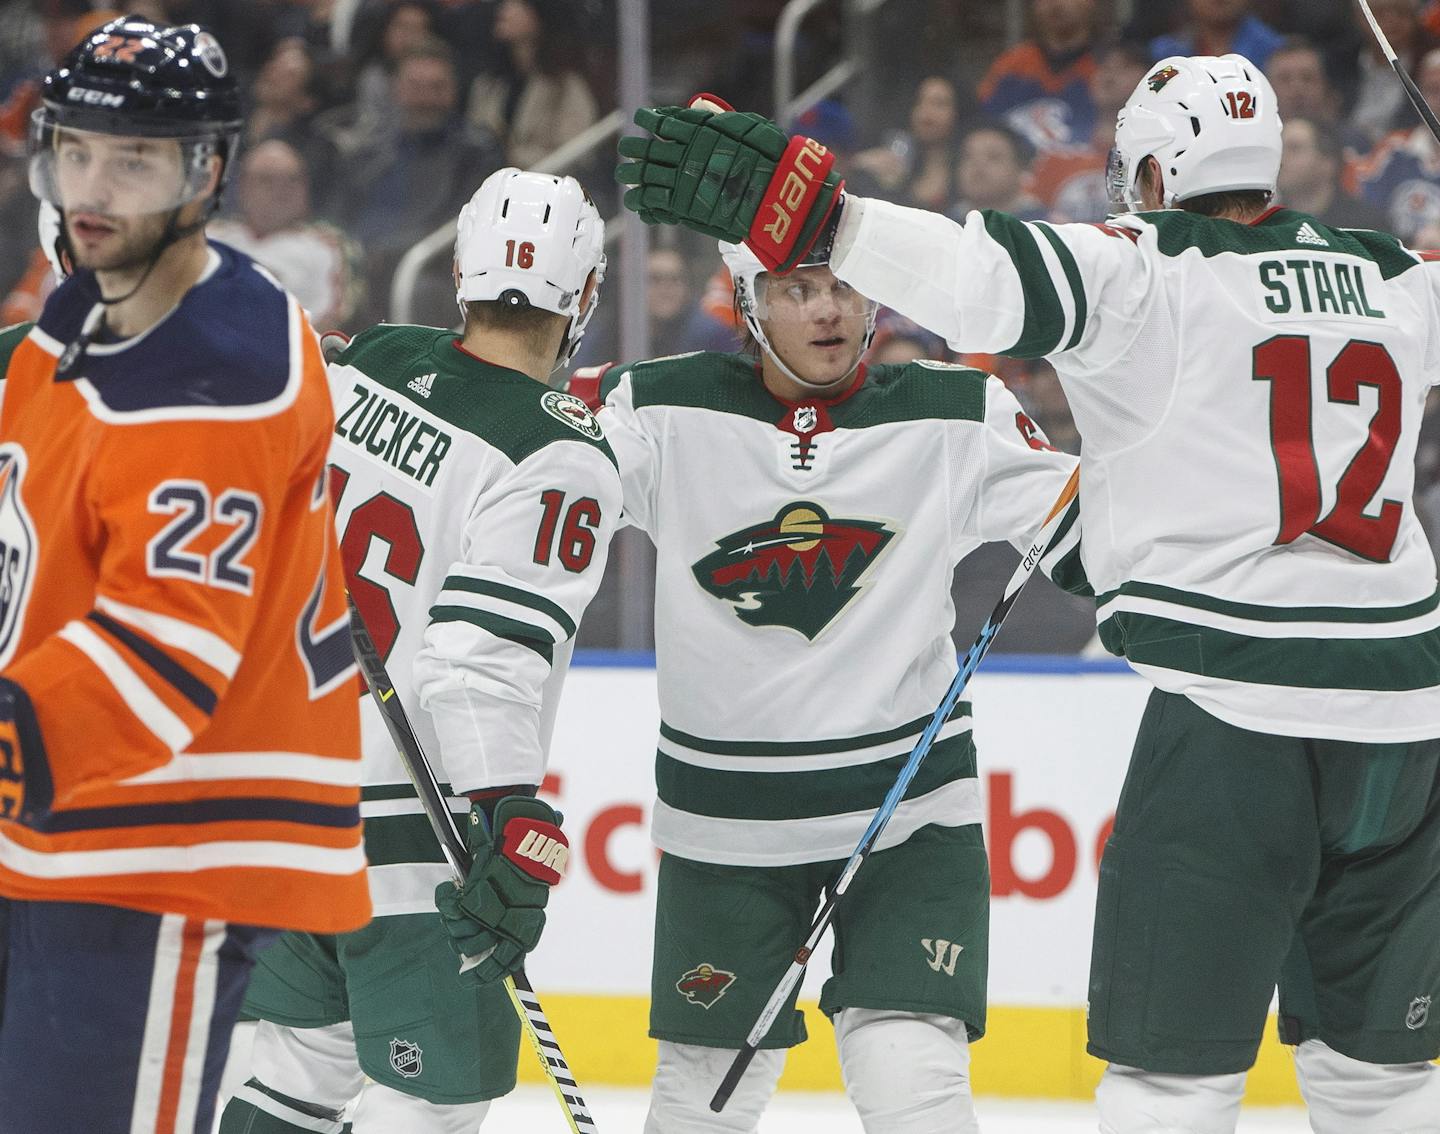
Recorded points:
(405,1058)
(704,984)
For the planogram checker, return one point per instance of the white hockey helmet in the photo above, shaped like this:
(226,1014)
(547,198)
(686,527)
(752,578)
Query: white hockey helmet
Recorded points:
(1211,123)
(745,269)
(531,240)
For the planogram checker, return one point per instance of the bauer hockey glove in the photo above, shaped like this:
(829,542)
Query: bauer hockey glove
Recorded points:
(496,917)
(26,790)
(734,176)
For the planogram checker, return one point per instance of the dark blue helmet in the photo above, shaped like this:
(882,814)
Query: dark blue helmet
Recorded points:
(132,76)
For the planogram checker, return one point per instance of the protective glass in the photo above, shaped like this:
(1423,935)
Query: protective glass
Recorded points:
(117,174)
(1117,182)
(800,299)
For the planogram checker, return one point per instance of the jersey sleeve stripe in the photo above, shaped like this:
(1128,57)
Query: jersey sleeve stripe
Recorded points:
(510,595)
(161,664)
(521,633)
(200,643)
(209,767)
(164,859)
(141,700)
(1072,277)
(1044,321)
(230,809)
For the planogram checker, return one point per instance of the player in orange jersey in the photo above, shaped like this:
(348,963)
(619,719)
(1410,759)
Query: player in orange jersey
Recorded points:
(179,736)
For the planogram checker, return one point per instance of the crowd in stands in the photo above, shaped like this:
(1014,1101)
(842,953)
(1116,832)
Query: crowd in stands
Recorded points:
(371,122)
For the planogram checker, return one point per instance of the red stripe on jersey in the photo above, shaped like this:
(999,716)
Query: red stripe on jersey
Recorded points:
(182,1009)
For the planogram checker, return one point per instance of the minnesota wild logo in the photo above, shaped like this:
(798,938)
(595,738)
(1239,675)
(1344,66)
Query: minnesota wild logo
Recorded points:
(799,570)
(704,984)
(1158,80)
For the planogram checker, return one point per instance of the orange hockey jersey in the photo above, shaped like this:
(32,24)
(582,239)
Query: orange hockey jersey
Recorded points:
(171,600)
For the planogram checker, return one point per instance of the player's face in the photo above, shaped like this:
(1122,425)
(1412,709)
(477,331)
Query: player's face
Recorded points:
(116,193)
(815,323)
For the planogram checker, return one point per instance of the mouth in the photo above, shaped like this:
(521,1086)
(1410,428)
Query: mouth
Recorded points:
(829,342)
(90,227)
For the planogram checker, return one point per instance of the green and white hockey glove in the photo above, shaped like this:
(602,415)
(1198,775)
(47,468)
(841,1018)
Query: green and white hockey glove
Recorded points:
(495,918)
(731,175)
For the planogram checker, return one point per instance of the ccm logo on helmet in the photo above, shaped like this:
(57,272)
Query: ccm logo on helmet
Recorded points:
(808,161)
(95,98)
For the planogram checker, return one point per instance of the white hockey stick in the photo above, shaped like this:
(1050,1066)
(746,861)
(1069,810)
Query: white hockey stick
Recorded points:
(533,1021)
(973,656)
(1416,98)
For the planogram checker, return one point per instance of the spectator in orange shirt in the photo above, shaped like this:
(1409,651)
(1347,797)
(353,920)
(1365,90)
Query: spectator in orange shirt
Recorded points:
(1041,86)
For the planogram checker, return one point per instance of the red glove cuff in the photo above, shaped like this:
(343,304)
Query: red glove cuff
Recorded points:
(538,848)
(799,176)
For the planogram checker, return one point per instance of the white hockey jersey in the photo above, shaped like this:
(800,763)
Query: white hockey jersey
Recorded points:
(803,607)
(1250,398)
(475,509)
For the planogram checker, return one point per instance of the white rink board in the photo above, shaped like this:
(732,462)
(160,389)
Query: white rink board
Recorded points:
(1053,749)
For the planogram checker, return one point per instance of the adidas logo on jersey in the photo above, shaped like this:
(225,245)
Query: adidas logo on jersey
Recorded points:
(1308,235)
(421,384)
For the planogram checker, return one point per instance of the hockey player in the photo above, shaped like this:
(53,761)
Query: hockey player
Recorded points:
(476,507)
(1249,384)
(808,513)
(179,744)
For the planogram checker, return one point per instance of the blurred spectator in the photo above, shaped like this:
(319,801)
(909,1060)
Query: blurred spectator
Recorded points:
(1402,176)
(991,171)
(670,302)
(1310,170)
(1302,87)
(1219,27)
(916,166)
(274,225)
(404,26)
(52,35)
(830,123)
(543,100)
(1377,101)
(283,104)
(1070,182)
(898,339)
(1041,86)
(424,166)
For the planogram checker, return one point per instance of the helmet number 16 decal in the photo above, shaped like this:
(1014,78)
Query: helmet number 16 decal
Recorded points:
(519,254)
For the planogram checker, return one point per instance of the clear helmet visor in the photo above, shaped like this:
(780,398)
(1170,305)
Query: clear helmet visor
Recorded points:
(800,298)
(86,171)
(1117,182)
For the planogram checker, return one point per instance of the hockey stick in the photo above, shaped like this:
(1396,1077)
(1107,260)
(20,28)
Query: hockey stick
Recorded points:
(522,996)
(973,656)
(1416,98)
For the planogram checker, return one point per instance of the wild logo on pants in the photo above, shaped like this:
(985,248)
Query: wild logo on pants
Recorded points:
(405,1058)
(704,984)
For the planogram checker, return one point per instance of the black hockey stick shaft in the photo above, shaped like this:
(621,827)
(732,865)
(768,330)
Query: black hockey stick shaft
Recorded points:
(533,1020)
(1052,529)
(1417,100)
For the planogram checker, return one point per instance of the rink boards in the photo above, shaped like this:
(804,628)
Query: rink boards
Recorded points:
(1053,736)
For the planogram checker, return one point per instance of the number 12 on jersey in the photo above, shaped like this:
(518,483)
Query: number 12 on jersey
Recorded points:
(1284,362)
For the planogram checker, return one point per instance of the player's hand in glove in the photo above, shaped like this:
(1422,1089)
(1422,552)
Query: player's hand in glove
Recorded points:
(26,789)
(731,175)
(495,918)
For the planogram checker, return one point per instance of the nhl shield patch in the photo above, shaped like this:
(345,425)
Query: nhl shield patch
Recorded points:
(1418,1014)
(405,1058)
(18,552)
(798,570)
(704,984)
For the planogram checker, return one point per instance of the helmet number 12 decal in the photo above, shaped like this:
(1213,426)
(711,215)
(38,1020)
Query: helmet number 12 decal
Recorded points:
(519,254)
(1240,104)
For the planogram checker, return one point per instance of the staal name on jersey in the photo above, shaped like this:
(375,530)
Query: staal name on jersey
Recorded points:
(1323,286)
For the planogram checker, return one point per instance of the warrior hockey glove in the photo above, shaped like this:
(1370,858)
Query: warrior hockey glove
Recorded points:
(497,915)
(731,175)
(26,790)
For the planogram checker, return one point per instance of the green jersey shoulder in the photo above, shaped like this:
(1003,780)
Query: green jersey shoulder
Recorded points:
(506,409)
